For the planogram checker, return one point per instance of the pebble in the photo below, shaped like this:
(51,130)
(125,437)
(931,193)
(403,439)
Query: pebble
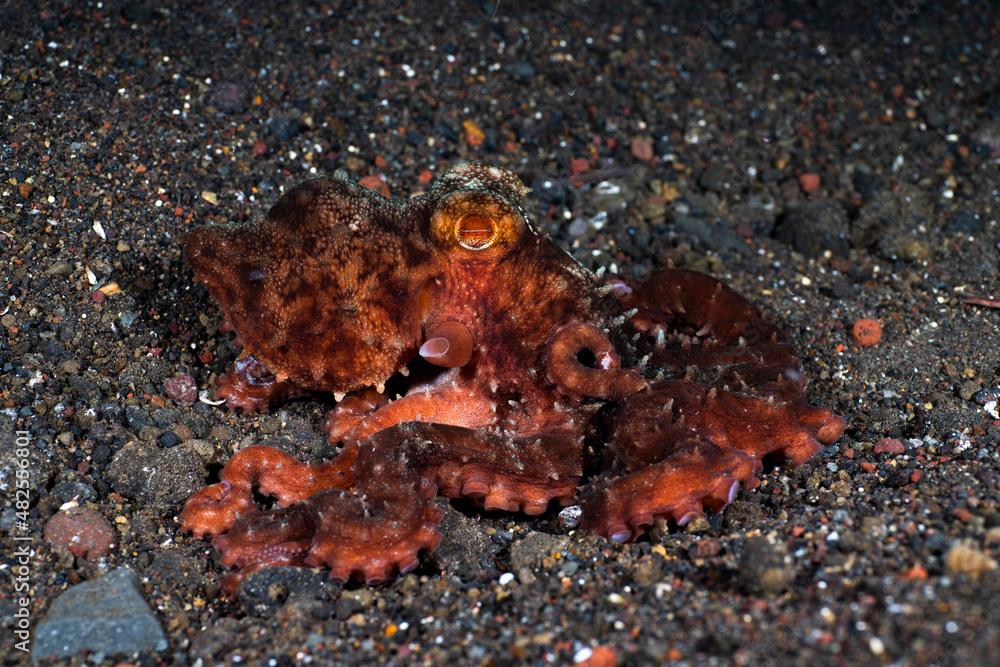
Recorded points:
(987,395)
(107,615)
(265,591)
(809,182)
(101,454)
(74,489)
(182,389)
(465,551)
(599,656)
(283,127)
(168,439)
(763,567)
(229,97)
(59,269)
(964,222)
(965,557)
(715,177)
(642,148)
(128,318)
(84,533)
(813,228)
(867,332)
(522,70)
(528,554)
(892,446)
(569,517)
(136,418)
(377,183)
(474,135)
(161,477)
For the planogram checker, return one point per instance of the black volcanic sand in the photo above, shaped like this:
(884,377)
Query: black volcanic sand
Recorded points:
(124,125)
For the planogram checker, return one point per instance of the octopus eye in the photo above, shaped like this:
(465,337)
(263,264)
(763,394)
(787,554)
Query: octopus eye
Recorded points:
(476,232)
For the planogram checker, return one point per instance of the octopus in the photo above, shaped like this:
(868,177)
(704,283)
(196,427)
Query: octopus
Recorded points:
(468,356)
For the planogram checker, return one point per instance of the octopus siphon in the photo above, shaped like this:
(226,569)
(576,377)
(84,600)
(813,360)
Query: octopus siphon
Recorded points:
(471,357)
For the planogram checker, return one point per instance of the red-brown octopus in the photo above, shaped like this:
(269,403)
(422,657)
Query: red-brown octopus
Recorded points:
(472,357)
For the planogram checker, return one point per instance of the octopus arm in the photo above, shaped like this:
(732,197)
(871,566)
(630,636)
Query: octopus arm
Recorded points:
(689,443)
(369,513)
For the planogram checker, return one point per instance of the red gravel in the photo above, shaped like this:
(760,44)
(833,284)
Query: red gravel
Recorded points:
(85,533)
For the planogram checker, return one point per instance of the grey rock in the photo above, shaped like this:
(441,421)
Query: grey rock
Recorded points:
(69,488)
(815,227)
(161,477)
(146,374)
(38,462)
(465,550)
(710,234)
(765,568)
(527,554)
(266,591)
(715,178)
(283,127)
(522,70)
(965,222)
(229,97)
(59,269)
(106,615)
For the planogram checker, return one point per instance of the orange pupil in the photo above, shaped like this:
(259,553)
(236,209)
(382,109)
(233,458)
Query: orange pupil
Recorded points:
(475,231)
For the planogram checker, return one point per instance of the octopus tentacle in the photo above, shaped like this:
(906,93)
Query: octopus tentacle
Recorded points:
(501,471)
(565,370)
(264,539)
(351,413)
(692,475)
(742,384)
(759,425)
(689,443)
(382,523)
(445,400)
(376,530)
(250,387)
(216,508)
(259,539)
(369,513)
(695,320)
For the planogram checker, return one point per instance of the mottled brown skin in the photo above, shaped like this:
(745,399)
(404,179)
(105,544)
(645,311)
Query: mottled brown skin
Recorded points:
(504,349)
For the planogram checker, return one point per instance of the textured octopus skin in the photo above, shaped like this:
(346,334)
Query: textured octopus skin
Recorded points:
(525,380)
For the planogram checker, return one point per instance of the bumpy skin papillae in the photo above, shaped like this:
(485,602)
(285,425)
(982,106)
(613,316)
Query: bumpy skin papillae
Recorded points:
(338,289)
